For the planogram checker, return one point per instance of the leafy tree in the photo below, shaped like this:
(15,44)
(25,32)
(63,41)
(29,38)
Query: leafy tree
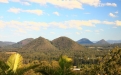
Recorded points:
(110,64)
(61,67)
(3,68)
(14,66)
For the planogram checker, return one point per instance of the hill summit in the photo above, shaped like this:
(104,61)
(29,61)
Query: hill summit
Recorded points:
(39,44)
(65,43)
(20,44)
(84,41)
(102,42)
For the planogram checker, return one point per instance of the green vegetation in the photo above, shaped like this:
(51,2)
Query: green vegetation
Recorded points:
(110,64)
(57,57)
(64,43)
(39,44)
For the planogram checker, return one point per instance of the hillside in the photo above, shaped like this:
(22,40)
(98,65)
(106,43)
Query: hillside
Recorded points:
(65,43)
(39,44)
(25,41)
(102,42)
(20,43)
(84,41)
(5,43)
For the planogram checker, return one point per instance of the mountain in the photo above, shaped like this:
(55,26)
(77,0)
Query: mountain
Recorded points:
(25,41)
(21,43)
(65,43)
(84,41)
(39,44)
(5,43)
(102,42)
(113,41)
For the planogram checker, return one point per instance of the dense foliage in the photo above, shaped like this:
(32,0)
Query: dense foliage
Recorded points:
(57,57)
(110,64)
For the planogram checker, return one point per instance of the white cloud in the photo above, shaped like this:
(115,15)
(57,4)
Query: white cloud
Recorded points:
(14,10)
(112,15)
(20,31)
(59,3)
(116,12)
(4,1)
(108,4)
(88,30)
(77,33)
(31,25)
(66,4)
(36,11)
(18,10)
(25,26)
(82,23)
(15,0)
(57,24)
(2,24)
(56,13)
(52,32)
(97,31)
(101,29)
(118,23)
(25,3)
(69,4)
(107,22)
(43,2)
(114,27)
(1,17)
(74,24)
(91,2)
(111,4)
(3,36)
(21,1)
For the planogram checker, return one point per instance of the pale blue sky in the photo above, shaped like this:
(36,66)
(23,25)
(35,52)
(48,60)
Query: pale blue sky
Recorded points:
(76,19)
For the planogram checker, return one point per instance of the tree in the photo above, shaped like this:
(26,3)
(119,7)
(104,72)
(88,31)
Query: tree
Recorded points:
(61,67)
(14,66)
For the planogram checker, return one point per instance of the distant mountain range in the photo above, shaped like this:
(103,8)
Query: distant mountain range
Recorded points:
(40,43)
(5,43)
(113,41)
(60,43)
(86,41)
(20,43)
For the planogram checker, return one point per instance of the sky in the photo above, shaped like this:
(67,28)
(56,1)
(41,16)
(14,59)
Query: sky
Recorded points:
(76,19)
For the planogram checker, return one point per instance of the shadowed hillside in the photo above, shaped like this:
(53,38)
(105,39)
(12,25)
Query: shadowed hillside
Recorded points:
(65,43)
(102,42)
(39,44)
(5,43)
(84,41)
(20,44)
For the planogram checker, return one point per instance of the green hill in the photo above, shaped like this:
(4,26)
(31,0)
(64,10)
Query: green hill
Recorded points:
(102,42)
(65,43)
(39,44)
(20,44)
